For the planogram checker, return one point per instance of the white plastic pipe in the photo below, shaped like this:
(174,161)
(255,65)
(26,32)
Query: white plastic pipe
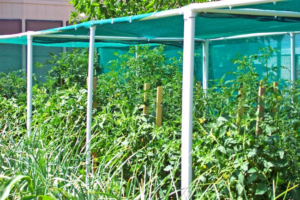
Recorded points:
(29,84)
(199,7)
(158,39)
(256,12)
(249,36)
(205,65)
(187,103)
(89,105)
(293,66)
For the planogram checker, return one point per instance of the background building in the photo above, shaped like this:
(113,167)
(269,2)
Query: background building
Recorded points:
(18,16)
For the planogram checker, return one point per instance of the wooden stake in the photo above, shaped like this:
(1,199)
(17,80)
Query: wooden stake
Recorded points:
(260,109)
(159,106)
(146,108)
(275,91)
(198,84)
(241,108)
(94,91)
(94,161)
(198,88)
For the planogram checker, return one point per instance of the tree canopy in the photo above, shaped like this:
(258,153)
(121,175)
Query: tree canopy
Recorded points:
(103,9)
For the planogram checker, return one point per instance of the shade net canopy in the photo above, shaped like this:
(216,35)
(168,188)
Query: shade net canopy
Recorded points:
(147,30)
(143,30)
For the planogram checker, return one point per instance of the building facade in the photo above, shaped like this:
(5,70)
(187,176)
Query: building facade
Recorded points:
(18,16)
(31,15)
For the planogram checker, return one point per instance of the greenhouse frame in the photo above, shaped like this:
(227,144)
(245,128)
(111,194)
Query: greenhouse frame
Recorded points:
(205,22)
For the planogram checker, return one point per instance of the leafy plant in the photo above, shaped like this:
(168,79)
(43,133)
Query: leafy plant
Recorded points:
(115,8)
(135,159)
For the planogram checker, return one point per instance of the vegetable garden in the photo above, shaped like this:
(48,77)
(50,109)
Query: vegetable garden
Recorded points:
(245,132)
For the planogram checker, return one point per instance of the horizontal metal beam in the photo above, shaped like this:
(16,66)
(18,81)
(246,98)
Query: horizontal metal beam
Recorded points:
(201,7)
(252,35)
(85,37)
(257,12)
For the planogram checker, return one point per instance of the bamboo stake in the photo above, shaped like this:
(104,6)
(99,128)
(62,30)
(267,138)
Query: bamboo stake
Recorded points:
(198,83)
(198,88)
(94,161)
(159,106)
(146,108)
(260,109)
(241,108)
(275,91)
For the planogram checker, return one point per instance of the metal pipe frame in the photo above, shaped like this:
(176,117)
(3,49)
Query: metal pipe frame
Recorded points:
(89,105)
(119,38)
(207,6)
(256,12)
(29,83)
(250,36)
(293,64)
(205,67)
(187,104)
(188,72)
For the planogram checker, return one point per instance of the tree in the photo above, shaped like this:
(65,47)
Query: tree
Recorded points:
(103,9)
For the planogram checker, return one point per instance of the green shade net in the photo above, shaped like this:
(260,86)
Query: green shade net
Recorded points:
(223,52)
(208,26)
(10,57)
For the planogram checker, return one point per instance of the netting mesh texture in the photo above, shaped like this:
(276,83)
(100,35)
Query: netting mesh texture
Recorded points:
(13,57)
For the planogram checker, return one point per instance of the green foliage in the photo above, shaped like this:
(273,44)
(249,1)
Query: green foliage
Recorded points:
(98,9)
(69,68)
(137,160)
(13,84)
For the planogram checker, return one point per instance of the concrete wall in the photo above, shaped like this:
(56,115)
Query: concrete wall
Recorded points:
(52,10)
(30,15)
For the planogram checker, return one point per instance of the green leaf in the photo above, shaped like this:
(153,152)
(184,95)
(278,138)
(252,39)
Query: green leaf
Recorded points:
(241,177)
(252,153)
(168,168)
(252,170)
(281,154)
(222,149)
(6,188)
(251,178)
(270,129)
(203,179)
(44,197)
(245,166)
(261,189)
(239,188)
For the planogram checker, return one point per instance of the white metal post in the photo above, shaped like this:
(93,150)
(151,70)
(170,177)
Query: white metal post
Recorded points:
(89,105)
(205,65)
(293,66)
(29,84)
(187,103)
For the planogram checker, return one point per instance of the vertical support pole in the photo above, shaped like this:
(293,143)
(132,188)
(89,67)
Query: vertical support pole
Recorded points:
(205,65)
(158,106)
(89,106)
(24,50)
(94,91)
(187,103)
(29,84)
(293,65)
(146,108)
